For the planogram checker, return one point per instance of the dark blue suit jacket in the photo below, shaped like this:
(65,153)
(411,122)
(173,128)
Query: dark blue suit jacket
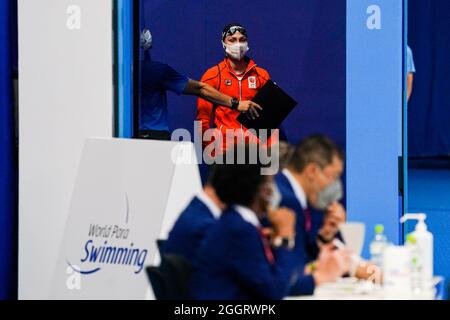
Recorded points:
(306,248)
(189,231)
(233,264)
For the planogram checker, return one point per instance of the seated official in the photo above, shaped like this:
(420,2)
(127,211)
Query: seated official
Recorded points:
(312,179)
(194,222)
(324,216)
(236,261)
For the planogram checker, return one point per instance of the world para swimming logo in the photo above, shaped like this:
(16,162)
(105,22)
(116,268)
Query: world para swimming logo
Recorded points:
(98,251)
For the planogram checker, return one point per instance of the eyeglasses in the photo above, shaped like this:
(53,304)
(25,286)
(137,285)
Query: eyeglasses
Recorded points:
(232,30)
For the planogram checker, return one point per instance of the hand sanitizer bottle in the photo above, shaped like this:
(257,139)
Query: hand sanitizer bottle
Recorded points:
(424,242)
(416,264)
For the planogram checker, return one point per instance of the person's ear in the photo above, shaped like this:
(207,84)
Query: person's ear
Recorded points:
(310,170)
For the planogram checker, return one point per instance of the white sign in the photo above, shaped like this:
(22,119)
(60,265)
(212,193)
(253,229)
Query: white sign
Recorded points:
(66,95)
(127,195)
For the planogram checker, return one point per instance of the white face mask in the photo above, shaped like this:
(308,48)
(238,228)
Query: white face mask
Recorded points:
(237,50)
(334,192)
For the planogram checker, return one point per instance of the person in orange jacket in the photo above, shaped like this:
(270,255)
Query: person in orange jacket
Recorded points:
(237,76)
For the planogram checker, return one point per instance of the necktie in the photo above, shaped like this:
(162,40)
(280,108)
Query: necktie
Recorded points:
(267,249)
(308,222)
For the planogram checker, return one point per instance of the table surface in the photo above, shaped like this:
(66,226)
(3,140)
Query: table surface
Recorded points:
(352,289)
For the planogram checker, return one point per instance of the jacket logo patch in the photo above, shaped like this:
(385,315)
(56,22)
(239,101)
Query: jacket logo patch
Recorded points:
(228,82)
(252,82)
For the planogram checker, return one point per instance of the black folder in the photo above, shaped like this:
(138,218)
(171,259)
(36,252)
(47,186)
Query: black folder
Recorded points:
(276,105)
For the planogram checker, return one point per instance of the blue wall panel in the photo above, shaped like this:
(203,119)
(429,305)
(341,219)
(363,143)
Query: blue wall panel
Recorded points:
(124,69)
(374,102)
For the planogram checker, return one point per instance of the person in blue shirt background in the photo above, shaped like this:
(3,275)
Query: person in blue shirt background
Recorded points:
(193,224)
(411,69)
(236,260)
(157,78)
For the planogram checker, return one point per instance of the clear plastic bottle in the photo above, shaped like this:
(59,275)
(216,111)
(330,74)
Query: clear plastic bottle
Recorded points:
(378,245)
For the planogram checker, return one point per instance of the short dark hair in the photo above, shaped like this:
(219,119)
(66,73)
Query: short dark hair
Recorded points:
(318,149)
(237,183)
(285,155)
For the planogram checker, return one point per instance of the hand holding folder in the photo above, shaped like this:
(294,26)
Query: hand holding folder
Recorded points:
(276,106)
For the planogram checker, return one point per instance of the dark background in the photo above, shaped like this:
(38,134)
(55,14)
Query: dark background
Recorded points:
(429,107)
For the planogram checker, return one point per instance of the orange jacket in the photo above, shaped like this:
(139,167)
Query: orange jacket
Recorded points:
(223,78)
